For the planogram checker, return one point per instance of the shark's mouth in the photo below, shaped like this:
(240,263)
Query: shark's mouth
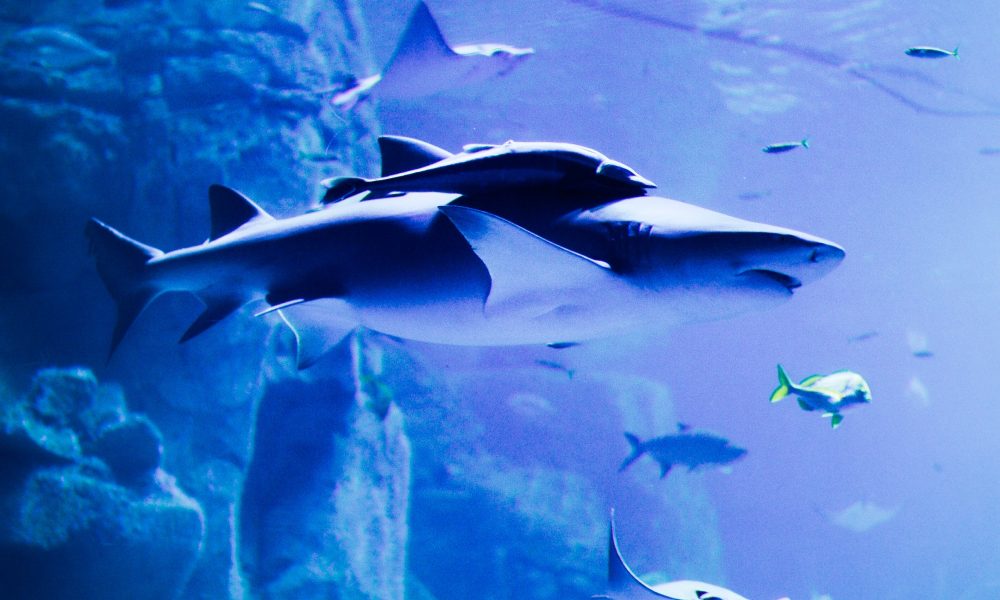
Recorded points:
(786,281)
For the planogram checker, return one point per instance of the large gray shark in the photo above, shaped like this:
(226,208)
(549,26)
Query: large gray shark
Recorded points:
(423,63)
(424,267)
(410,165)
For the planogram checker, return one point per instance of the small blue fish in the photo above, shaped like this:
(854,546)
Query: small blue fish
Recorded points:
(931,52)
(785,146)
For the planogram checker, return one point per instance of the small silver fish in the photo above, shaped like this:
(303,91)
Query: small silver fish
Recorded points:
(930,52)
(785,146)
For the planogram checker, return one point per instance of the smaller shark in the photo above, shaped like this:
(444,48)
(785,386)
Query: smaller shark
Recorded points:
(411,165)
(423,64)
(830,393)
(623,584)
(684,448)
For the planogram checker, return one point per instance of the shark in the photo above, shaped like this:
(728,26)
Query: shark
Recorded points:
(411,165)
(423,64)
(437,268)
(624,584)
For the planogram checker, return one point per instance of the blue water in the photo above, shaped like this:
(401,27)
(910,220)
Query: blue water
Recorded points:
(905,192)
(898,171)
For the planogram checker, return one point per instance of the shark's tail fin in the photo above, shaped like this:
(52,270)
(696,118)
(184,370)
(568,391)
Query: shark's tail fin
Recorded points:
(805,143)
(637,450)
(785,386)
(121,263)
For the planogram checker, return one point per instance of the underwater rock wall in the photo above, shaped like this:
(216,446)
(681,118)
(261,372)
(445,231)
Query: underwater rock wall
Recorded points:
(127,111)
(324,508)
(87,511)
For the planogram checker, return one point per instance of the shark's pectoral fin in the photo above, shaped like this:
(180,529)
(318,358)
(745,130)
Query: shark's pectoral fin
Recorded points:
(318,325)
(400,154)
(665,469)
(217,308)
(529,275)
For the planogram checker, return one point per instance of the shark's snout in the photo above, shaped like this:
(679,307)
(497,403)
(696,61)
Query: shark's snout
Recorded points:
(790,260)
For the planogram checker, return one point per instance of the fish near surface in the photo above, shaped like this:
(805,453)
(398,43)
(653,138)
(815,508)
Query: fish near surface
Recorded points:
(423,63)
(785,146)
(691,449)
(423,267)
(831,393)
(930,52)
(410,165)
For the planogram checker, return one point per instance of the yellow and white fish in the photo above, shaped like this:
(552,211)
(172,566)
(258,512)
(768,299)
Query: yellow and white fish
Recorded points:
(830,393)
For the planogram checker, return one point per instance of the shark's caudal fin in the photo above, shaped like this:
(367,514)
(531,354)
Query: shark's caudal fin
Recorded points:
(401,154)
(529,275)
(622,582)
(637,451)
(784,388)
(121,263)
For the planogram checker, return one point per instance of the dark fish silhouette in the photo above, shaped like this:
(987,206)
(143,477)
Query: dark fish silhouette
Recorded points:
(692,450)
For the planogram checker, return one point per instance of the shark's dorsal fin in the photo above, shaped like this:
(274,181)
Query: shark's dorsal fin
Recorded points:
(401,154)
(231,210)
(529,275)
(421,40)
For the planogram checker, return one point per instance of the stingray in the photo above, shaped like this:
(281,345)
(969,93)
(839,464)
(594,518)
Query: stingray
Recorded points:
(411,165)
(424,64)
(426,268)
(624,584)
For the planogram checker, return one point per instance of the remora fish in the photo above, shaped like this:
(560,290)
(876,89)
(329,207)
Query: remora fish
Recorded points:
(423,268)
(830,393)
(683,448)
(410,165)
(930,52)
(423,63)
(623,584)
